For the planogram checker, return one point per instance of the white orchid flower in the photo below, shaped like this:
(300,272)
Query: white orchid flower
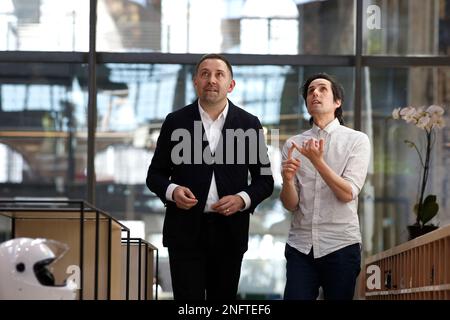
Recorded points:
(410,118)
(407,112)
(396,113)
(424,122)
(435,110)
(439,123)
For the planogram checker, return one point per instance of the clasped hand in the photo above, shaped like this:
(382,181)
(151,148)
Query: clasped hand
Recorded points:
(227,205)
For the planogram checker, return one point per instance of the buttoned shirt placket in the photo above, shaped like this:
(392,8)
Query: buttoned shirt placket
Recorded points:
(321,134)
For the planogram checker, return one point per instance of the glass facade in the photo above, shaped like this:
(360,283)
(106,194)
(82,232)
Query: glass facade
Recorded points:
(44,25)
(146,52)
(392,27)
(232,26)
(43,130)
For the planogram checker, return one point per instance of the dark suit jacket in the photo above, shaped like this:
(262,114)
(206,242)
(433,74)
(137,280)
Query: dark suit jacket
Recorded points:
(183,228)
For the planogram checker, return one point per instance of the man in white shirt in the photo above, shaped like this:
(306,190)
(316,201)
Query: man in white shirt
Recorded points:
(200,170)
(323,171)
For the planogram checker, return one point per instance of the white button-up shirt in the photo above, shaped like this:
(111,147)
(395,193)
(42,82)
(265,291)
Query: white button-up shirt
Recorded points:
(213,131)
(321,220)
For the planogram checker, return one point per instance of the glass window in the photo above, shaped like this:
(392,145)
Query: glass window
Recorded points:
(413,27)
(42,130)
(269,27)
(44,25)
(132,102)
(392,185)
(229,26)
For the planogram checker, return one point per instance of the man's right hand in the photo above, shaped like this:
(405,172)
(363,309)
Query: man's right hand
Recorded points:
(184,198)
(290,165)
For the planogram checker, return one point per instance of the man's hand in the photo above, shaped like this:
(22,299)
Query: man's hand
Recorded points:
(184,198)
(229,205)
(313,150)
(290,165)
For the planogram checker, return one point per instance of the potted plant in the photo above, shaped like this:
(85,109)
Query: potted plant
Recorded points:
(428,119)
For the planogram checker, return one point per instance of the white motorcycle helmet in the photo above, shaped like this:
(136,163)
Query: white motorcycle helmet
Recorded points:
(25,272)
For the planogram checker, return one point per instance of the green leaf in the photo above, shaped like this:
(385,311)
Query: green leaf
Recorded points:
(429,209)
(430,198)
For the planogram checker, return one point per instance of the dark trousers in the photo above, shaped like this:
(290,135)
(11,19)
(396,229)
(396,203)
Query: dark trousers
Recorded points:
(336,273)
(210,271)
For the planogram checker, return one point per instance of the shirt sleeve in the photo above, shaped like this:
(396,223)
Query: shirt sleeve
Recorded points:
(285,149)
(169,191)
(358,163)
(244,195)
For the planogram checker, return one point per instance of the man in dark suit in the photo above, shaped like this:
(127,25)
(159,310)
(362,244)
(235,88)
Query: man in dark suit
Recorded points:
(200,170)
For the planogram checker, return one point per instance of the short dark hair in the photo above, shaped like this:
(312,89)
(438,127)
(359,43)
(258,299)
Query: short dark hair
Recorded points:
(214,56)
(338,93)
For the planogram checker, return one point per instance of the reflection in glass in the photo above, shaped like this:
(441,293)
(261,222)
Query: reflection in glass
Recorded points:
(229,26)
(406,27)
(42,130)
(269,27)
(44,25)
(12,165)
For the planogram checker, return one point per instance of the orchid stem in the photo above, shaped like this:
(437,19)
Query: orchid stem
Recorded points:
(417,150)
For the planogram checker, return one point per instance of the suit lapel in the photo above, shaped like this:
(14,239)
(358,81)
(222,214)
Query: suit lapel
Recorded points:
(230,123)
(230,119)
(195,114)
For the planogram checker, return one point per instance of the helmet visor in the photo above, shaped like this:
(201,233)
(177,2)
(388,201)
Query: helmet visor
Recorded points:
(43,269)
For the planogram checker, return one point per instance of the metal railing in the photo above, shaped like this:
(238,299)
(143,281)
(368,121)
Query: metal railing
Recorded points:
(104,257)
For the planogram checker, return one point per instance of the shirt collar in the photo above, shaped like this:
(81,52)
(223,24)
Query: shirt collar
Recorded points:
(333,125)
(205,115)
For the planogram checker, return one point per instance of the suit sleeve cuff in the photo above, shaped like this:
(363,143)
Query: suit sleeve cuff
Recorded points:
(169,191)
(244,195)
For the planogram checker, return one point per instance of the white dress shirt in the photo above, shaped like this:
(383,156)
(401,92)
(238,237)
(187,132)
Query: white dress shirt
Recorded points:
(321,220)
(213,131)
